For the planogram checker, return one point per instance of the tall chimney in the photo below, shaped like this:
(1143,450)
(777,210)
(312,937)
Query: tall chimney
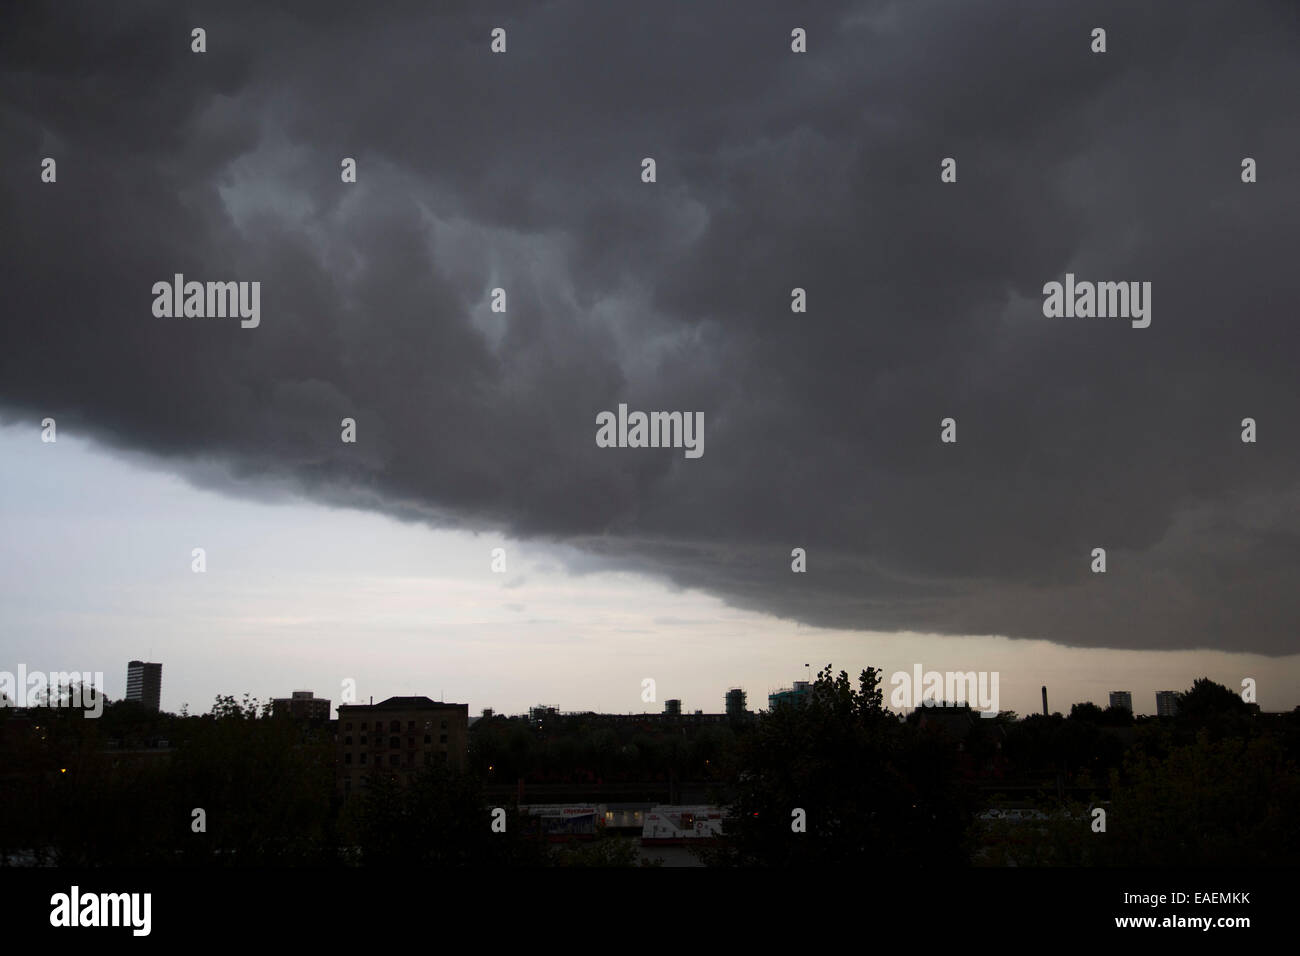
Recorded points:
(1045,700)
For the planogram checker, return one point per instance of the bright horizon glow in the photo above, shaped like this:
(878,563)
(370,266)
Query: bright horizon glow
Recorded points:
(95,563)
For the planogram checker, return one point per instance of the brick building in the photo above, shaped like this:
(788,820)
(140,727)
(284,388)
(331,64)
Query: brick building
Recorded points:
(400,736)
(303,705)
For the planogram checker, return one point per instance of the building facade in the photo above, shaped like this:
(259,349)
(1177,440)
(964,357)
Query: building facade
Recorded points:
(1166,703)
(797,694)
(303,705)
(736,704)
(399,737)
(144,683)
(1122,700)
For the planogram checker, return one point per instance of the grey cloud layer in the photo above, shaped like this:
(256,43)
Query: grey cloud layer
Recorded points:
(775,171)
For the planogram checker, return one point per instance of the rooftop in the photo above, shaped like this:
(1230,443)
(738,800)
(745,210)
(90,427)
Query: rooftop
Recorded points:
(404,703)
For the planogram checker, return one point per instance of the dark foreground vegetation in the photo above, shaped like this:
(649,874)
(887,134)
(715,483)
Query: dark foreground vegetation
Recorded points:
(837,779)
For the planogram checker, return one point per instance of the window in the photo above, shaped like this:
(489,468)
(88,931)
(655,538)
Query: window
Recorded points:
(395,742)
(410,742)
(428,758)
(363,740)
(444,725)
(363,758)
(410,725)
(428,739)
(348,725)
(395,760)
(347,758)
(363,725)
(394,726)
(347,741)
(442,739)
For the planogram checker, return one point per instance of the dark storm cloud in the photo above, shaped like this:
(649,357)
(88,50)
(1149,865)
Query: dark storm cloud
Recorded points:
(775,171)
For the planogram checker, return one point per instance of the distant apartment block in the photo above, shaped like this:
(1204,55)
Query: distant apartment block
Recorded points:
(399,736)
(540,713)
(303,705)
(736,704)
(1122,700)
(1166,703)
(144,683)
(797,694)
(672,708)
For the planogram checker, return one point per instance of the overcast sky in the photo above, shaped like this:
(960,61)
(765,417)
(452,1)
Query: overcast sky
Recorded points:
(475,429)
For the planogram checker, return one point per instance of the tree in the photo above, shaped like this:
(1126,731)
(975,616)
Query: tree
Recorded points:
(1228,802)
(869,788)
(1086,711)
(439,818)
(1207,702)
